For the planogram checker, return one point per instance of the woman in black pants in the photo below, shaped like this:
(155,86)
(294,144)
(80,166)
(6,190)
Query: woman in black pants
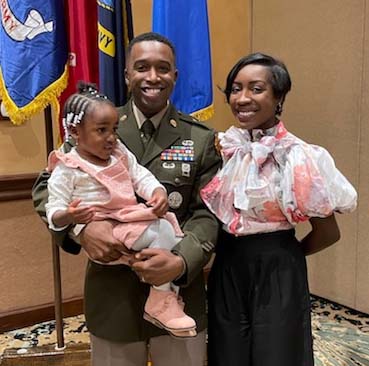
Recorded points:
(259,306)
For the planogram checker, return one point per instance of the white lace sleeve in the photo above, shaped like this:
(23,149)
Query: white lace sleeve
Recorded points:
(60,186)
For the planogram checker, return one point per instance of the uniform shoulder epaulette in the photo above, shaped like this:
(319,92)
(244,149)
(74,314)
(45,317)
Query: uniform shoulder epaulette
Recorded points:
(189,119)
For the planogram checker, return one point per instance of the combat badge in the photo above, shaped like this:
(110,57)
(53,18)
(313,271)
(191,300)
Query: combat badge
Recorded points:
(187,143)
(175,200)
(167,165)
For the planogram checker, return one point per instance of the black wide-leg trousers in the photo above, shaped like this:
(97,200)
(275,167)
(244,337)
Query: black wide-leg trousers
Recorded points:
(259,303)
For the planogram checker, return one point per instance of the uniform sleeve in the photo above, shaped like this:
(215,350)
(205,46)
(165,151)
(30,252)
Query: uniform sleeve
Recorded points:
(144,182)
(201,227)
(60,188)
(40,197)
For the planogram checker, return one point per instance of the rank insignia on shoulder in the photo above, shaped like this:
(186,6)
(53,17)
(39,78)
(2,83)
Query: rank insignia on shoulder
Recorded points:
(217,145)
(123,118)
(173,122)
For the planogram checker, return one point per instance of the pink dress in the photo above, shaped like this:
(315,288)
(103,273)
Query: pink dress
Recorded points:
(122,205)
(274,181)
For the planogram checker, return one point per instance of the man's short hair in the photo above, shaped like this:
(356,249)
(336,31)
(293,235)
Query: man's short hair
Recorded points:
(147,37)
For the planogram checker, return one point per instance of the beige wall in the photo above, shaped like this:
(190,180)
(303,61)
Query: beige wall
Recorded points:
(323,46)
(26,261)
(22,147)
(322,43)
(362,254)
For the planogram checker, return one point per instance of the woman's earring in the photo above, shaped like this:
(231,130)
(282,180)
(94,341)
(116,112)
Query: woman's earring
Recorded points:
(279,109)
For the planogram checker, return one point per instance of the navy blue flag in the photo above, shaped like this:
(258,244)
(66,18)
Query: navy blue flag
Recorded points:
(115,32)
(33,56)
(185,24)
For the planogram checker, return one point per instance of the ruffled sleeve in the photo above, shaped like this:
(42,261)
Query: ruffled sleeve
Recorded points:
(312,186)
(274,181)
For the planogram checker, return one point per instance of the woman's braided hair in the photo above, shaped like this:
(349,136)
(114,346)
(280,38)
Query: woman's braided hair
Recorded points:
(77,104)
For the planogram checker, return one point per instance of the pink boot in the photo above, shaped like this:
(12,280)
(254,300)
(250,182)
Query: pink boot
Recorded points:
(165,310)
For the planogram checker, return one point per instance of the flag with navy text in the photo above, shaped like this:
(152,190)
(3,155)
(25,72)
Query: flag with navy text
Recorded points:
(185,24)
(33,56)
(114,32)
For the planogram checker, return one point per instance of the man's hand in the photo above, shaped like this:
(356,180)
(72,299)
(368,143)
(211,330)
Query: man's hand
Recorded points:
(157,266)
(98,241)
(159,202)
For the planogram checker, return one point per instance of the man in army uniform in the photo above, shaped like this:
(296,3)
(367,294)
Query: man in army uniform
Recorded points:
(180,152)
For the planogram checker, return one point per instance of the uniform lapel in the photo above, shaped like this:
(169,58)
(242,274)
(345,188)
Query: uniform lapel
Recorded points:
(168,133)
(128,130)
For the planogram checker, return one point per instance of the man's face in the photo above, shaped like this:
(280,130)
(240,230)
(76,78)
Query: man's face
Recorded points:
(150,75)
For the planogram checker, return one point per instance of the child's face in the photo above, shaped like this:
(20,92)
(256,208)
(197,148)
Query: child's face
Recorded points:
(96,135)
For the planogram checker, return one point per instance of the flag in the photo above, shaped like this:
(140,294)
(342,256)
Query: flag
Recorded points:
(185,24)
(114,31)
(33,56)
(83,64)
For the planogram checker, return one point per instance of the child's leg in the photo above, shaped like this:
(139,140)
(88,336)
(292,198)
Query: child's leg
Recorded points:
(147,237)
(163,307)
(165,239)
(159,234)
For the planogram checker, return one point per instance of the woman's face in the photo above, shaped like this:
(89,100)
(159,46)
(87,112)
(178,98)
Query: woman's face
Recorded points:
(252,100)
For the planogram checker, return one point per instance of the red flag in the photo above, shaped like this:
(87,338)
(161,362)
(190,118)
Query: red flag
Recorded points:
(81,24)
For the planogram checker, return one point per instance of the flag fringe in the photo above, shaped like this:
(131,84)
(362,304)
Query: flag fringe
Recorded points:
(204,114)
(105,6)
(48,96)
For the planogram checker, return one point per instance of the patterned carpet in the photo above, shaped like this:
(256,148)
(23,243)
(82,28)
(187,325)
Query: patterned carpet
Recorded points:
(341,335)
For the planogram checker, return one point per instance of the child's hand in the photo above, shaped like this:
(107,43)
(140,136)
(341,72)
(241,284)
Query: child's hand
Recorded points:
(80,215)
(159,202)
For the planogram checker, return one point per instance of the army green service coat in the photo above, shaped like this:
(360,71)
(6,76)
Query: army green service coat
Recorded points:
(114,296)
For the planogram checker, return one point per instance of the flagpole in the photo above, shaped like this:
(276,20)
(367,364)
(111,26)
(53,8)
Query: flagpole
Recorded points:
(55,249)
